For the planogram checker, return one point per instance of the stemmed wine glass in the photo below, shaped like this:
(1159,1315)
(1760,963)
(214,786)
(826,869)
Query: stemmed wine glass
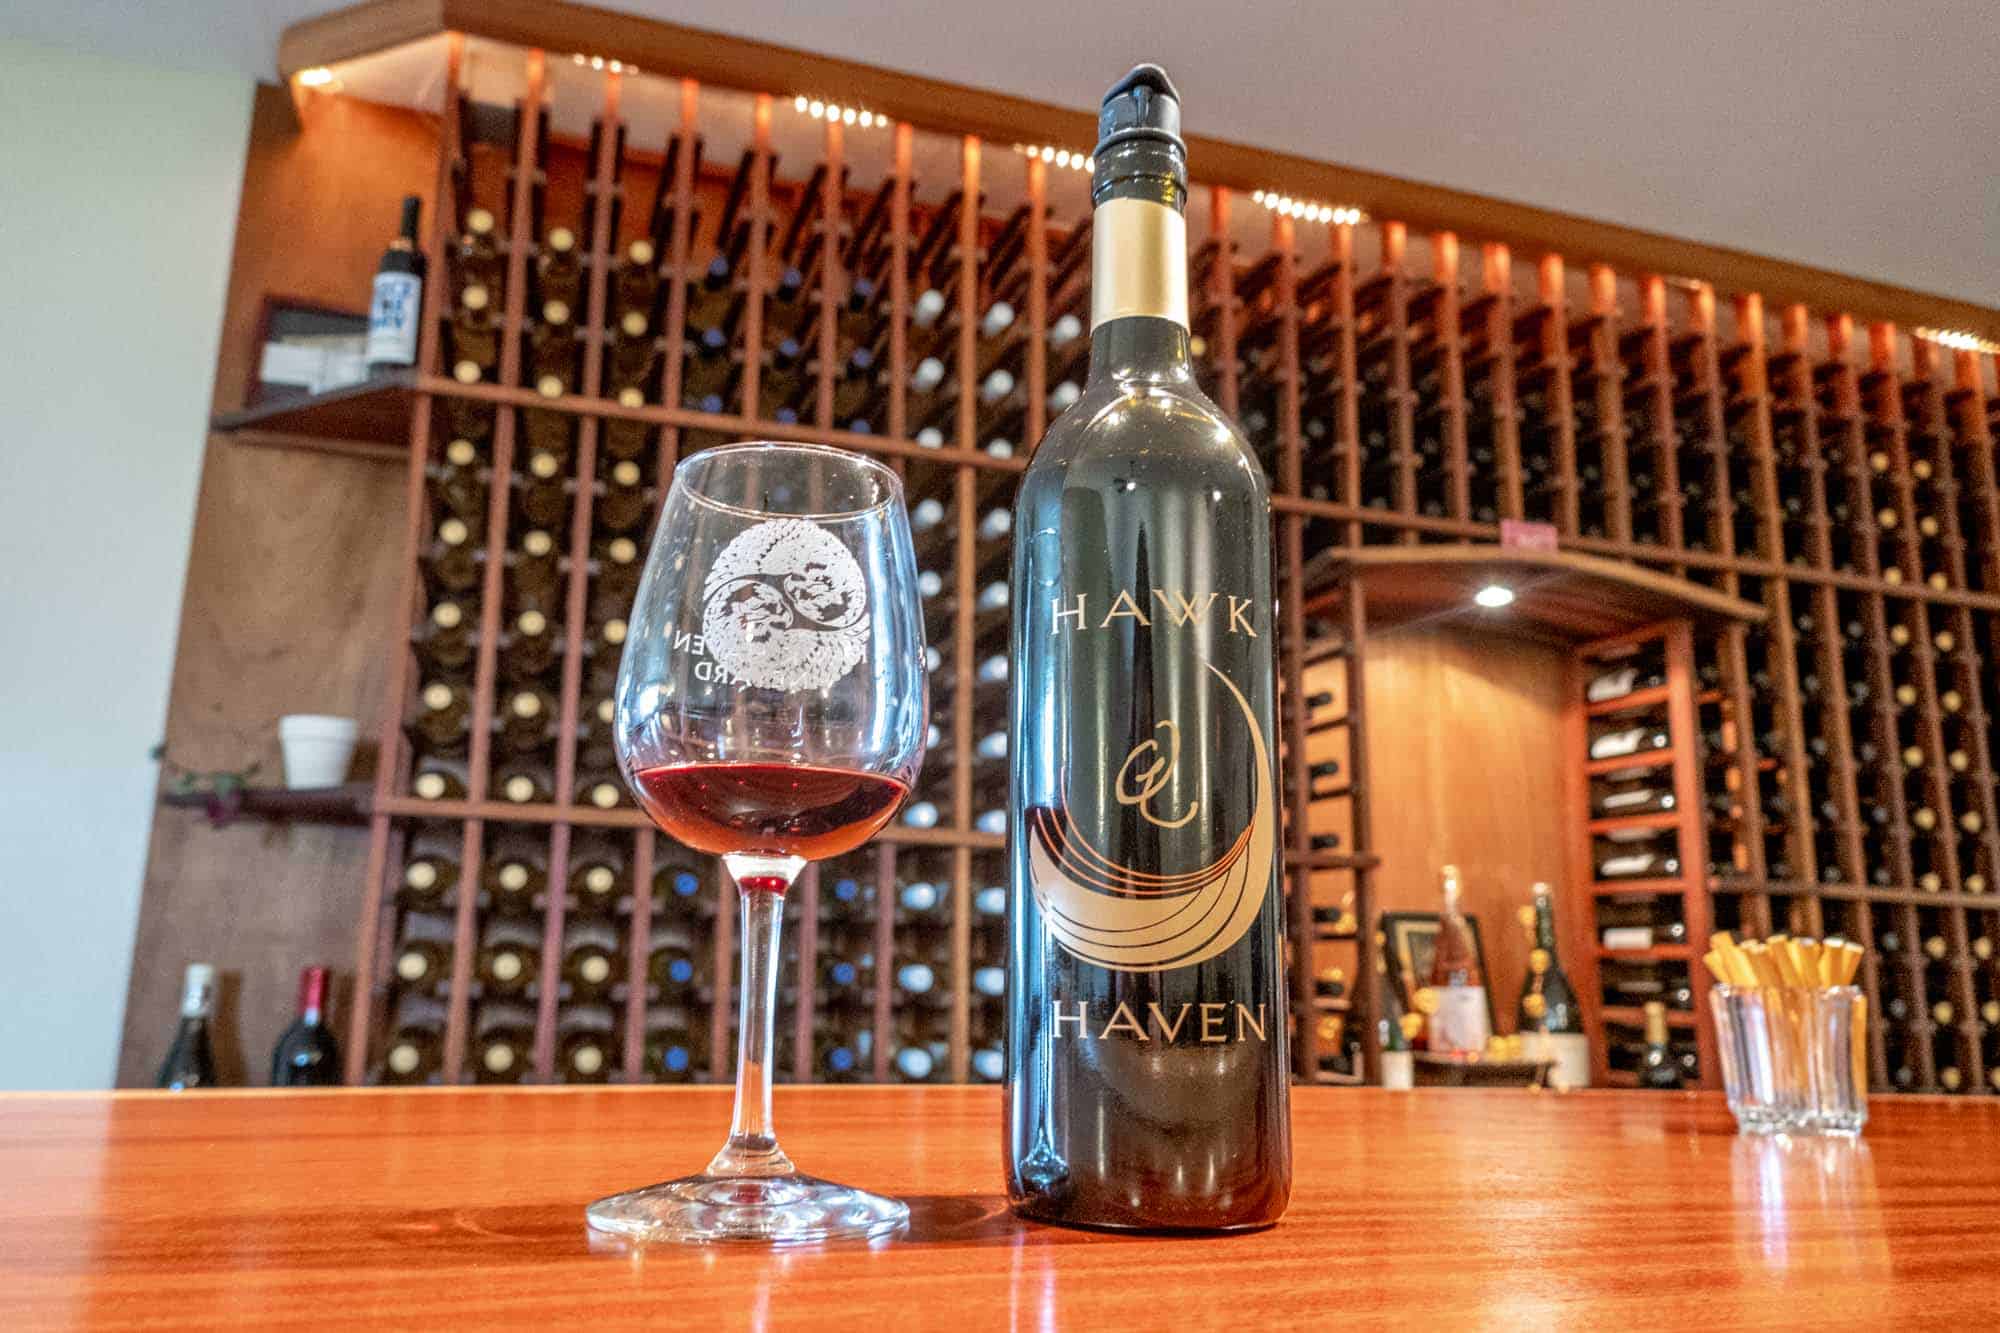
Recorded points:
(770,709)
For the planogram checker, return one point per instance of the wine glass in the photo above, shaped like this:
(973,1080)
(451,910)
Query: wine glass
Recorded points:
(770,709)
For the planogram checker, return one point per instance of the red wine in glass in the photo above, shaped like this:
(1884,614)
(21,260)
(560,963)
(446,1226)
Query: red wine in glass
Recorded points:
(774,809)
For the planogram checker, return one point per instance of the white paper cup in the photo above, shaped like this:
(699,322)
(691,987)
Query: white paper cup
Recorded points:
(317,748)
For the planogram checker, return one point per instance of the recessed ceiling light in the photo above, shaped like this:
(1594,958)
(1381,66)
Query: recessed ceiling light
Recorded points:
(1493,596)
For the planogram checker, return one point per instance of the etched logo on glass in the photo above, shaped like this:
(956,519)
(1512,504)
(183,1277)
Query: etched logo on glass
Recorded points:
(785,607)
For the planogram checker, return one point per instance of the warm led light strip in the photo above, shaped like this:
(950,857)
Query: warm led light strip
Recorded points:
(831,111)
(599,62)
(1061,157)
(1289,207)
(1958,340)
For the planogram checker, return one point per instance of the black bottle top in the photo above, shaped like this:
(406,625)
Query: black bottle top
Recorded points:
(1139,135)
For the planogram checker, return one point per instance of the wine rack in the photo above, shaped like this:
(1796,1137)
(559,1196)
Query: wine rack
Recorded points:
(1639,842)
(1403,385)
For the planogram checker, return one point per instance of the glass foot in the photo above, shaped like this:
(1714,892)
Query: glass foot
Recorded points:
(773,1210)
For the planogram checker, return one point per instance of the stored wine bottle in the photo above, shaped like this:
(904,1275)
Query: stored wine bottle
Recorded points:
(190,1061)
(1147,1084)
(307,1056)
(395,313)
(1453,998)
(1548,1004)
(1657,1066)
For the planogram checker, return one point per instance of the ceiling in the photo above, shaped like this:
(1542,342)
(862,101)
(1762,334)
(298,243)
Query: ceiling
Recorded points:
(1857,137)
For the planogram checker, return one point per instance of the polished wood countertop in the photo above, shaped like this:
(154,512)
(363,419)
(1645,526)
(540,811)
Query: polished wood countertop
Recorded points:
(453,1207)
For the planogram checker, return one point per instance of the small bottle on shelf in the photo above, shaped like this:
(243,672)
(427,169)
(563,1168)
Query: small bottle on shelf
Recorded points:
(1458,1022)
(190,1058)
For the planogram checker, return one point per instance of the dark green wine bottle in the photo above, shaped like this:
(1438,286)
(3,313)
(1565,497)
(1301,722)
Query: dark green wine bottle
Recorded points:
(1147,1082)
(190,1061)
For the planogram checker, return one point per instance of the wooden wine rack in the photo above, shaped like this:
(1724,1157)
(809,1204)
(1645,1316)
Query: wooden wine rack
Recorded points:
(1413,386)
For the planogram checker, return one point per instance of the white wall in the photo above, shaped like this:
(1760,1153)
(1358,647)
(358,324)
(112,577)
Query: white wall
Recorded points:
(118,194)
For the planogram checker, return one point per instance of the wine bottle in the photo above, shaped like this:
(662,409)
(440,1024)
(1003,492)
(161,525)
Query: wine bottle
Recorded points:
(190,1061)
(307,1056)
(1147,1083)
(1548,1005)
(1657,1066)
(395,314)
(1453,998)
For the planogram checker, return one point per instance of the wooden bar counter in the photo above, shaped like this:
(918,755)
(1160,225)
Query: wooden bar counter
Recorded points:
(457,1207)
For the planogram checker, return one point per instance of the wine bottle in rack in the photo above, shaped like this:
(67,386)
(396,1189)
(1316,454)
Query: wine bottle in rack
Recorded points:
(530,652)
(458,483)
(558,272)
(430,875)
(1659,1067)
(422,966)
(190,1059)
(554,353)
(503,1043)
(416,1042)
(514,876)
(534,584)
(542,494)
(475,343)
(587,1047)
(598,879)
(451,565)
(680,888)
(599,788)
(1078,645)
(523,782)
(673,964)
(507,961)
(623,502)
(846,977)
(438,779)
(479,270)
(307,1056)
(395,311)
(675,1051)
(443,724)
(527,719)
(591,960)
(446,643)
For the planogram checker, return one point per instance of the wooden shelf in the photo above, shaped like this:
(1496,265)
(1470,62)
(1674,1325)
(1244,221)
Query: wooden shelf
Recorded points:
(1665,819)
(373,416)
(1615,888)
(349,804)
(1635,702)
(1562,597)
(1597,768)
(1631,1017)
(1659,953)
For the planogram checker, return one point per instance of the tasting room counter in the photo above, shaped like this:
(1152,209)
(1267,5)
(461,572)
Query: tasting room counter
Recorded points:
(454,1207)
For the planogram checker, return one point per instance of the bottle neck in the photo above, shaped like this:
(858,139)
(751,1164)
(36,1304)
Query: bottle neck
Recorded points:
(1141,347)
(1545,928)
(1138,282)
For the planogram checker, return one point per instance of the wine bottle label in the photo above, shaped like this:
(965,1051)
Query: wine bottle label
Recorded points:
(1571,1053)
(393,318)
(1137,261)
(1129,918)
(1459,1025)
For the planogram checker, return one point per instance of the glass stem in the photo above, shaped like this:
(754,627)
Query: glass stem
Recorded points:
(753,1144)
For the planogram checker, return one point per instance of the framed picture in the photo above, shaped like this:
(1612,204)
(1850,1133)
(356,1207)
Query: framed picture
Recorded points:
(1409,940)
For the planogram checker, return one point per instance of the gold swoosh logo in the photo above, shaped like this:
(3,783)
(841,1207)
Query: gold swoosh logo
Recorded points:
(1129,920)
